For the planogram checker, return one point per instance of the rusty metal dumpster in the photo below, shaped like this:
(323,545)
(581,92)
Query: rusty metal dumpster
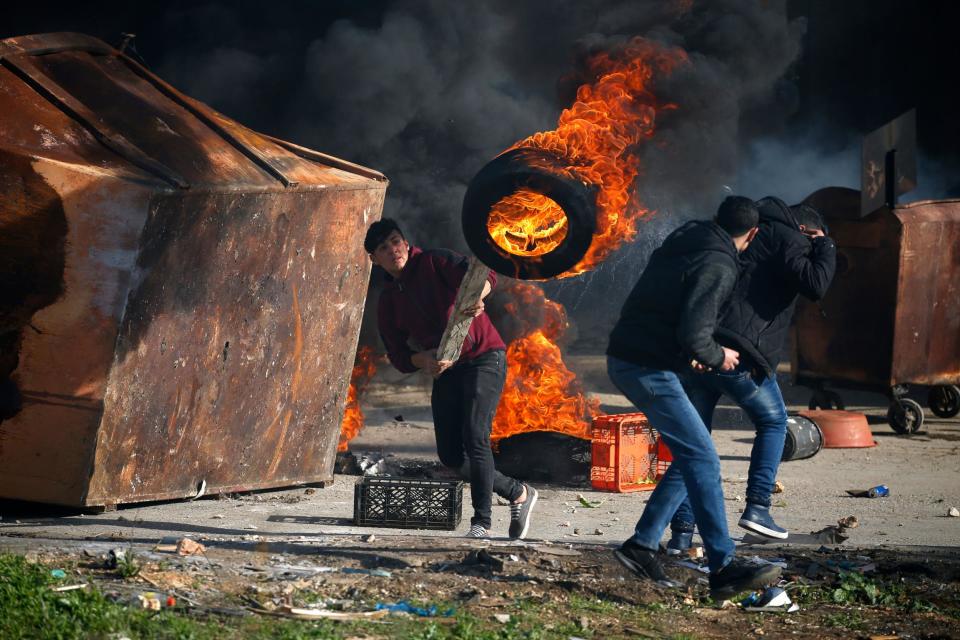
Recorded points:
(892,316)
(180,297)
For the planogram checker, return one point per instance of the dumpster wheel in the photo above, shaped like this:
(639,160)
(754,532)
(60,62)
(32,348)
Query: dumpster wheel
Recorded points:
(905,416)
(824,399)
(944,400)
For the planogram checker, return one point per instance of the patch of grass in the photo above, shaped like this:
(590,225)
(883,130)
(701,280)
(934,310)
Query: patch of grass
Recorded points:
(851,620)
(851,587)
(127,564)
(578,603)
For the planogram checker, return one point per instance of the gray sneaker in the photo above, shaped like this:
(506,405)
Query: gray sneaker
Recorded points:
(477,531)
(520,514)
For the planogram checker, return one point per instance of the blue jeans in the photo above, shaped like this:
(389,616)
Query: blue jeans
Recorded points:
(763,404)
(695,469)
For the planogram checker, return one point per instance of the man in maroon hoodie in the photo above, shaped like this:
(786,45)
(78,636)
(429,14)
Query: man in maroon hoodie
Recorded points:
(412,314)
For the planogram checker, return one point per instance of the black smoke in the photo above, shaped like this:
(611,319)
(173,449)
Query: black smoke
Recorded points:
(774,100)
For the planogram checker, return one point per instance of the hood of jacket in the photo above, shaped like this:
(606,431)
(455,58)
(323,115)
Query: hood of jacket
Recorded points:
(774,210)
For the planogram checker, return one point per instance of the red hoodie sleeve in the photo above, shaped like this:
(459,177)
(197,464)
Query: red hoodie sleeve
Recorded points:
(394,338)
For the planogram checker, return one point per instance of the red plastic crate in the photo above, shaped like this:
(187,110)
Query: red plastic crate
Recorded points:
(628,454)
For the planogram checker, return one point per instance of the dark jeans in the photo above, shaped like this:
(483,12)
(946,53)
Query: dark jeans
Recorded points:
(464,401)
(762,401)
(695,468)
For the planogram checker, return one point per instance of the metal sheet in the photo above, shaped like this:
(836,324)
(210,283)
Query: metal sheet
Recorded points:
(927,333)
(161,336)
(892,315)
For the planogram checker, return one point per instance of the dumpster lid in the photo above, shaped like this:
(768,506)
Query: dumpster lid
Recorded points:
(72,97)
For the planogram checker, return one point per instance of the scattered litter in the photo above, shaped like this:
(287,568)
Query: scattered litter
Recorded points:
(502,618)
(317,614)
(598,532)
(188,547)
(557,551)
(116,558)
(202,489)
(689,564)
(884,637)
(590,504)
(309,570)
(149,601)
(695,552)
(59,574)
(738,498)
(564,524)
(372,464)
(954,512)
(778,487)
(831,534)
(369,538)
(850,522)
(576,532)
(218,516)
(879,491)
(71,587)
(250,527)
(405,607)
(309,491)
(380,573)
(772,599)
(483,557)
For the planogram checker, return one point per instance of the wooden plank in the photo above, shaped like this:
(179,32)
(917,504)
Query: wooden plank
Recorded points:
(468,295)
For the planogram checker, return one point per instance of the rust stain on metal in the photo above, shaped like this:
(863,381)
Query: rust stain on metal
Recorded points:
(294,382)
(892,315)
(166,335)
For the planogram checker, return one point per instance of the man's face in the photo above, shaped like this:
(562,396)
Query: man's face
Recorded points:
(391,254)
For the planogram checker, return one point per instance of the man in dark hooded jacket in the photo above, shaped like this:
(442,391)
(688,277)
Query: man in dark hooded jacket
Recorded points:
(791,256)
(667,322)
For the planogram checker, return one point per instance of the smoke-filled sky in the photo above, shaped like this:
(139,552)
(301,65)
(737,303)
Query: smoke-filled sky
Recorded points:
(775,100)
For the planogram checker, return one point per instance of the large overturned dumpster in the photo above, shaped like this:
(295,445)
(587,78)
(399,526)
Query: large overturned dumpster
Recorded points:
(180,297)
(891,320)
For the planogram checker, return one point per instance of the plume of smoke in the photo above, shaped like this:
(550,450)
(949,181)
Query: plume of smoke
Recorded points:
(430,91)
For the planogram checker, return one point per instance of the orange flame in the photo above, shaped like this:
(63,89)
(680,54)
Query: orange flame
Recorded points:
(540,393)
(526,223)
(597,137)
(363,370)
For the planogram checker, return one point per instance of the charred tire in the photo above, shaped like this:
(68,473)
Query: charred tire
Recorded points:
(905,416)
(823,399)
(944,400)
(541,172)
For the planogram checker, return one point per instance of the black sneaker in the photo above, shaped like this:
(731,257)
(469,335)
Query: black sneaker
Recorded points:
(520,514)
(642,562)
(741,575)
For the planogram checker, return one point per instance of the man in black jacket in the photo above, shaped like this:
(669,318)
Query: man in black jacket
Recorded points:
(668,322)
(790,256)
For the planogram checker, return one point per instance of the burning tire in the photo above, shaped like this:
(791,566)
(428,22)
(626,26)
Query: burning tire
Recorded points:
(546,248)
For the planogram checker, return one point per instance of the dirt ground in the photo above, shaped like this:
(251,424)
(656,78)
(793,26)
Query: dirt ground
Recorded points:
(267,549)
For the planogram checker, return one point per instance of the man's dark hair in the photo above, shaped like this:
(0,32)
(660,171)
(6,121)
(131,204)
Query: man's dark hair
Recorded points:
(808,217)
(378,232)
(737,215)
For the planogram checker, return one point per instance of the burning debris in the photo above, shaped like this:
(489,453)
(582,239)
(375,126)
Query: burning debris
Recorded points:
(514,221)
(541,393)
(363,370)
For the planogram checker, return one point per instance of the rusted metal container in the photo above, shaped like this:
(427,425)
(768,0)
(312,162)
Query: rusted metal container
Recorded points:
(181,296)
(892,315)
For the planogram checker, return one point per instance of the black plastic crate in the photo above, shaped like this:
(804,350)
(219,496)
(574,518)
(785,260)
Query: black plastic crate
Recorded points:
(403,503)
